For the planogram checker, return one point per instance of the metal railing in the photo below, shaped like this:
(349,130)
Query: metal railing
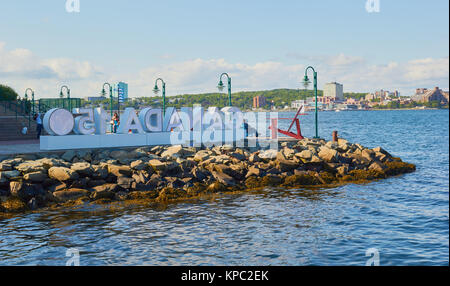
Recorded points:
(45,104)
(21,108)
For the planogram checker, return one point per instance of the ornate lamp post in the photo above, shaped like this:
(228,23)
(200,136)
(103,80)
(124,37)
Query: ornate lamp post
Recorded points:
(32,98)
(221,86)
(306,83)
(156,91)
(61,94)
(110,99)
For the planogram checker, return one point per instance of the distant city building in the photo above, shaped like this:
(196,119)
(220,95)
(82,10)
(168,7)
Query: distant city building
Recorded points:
(370,97)
(296,104)
(426,95)
(326,100)
(122,89)
(334,90)
(259,101)
(95,98)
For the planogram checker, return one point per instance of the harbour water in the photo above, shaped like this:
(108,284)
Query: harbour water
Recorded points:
(406,218)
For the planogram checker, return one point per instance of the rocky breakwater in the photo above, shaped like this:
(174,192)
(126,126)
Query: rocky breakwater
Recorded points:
(166,174)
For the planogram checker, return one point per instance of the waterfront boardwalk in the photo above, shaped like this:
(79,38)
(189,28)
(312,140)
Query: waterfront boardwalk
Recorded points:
(19,147)
(33,146)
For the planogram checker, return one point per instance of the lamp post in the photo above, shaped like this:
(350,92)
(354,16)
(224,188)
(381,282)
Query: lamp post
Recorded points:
(68,94)
(156,91)
(306,82)
(32,98)
(220,86)
(110,99)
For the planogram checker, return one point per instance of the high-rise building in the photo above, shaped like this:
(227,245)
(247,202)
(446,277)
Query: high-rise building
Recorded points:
(259,101)
(334,90)
(122,89)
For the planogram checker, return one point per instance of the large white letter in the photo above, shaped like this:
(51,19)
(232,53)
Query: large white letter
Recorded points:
(212,135)
(58,122)
(86,116)
(130,121)
(151,119)
(102,119)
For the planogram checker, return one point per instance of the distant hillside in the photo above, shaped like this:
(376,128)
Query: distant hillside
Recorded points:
(243,100)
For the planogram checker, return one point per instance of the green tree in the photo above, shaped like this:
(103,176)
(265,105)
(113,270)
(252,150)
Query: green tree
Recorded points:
(7,93)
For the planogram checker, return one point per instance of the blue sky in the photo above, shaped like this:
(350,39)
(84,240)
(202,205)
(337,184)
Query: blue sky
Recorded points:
(263,44)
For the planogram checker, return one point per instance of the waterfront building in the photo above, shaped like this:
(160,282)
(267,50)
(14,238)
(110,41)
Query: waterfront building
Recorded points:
(325,100)
(122,89)
(94,99)
(259,101)
(428,95)
(334,90)
(296,104)
(370,97)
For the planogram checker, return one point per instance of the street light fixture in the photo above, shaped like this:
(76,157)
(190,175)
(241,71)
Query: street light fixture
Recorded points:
(221,86)
(32,98)
(306,83)
(156,91)
(61,94)
(110,99)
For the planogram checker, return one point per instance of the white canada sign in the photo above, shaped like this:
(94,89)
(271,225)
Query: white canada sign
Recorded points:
(88,128)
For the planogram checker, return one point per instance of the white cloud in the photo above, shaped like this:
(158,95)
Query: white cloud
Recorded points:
(23,63)
(20,68)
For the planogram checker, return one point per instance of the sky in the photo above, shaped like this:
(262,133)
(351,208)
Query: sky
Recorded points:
(262,44)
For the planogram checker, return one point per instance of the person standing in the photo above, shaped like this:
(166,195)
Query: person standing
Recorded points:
(116,122)
(39,124)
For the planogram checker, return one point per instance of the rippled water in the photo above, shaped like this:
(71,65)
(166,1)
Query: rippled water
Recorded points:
(405,218)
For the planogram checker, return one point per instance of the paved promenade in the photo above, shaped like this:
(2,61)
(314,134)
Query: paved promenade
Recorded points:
(19,147)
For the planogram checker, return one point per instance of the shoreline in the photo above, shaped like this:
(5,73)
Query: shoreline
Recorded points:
(372,109)
(146,175)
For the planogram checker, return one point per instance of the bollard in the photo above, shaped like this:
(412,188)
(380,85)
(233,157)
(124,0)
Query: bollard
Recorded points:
(335,136)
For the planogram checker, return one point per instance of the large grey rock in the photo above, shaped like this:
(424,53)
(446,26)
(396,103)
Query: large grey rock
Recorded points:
(25,191)
(223,178)
(30,167)
(254,158)
(5,167)
(68,156)
(53,162)
(36,177)
(377,166)
(125,182)
(119,171)
(368,154)
(84,169)
(202,155)
(305,154)
(159,166)
(139,165)
(238,156)
(328,154)
(100,172)
(286,165)
(268,154)
(62,174)
(11,174)
(254,171)
(70,194)
(106,191)
(342,170)
(176,152)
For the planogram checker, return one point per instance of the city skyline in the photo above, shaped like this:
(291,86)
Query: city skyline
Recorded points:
(262,45)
